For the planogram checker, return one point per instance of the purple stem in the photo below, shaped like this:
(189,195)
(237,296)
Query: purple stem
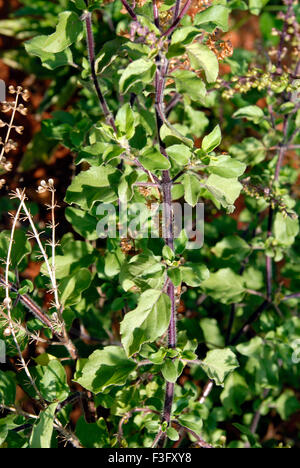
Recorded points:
(282,39)
(292,296)
(282,149)
(175,99)
(176,9)
(87,17)
(91,52)
(40,315)
(155,13)
(178,19)
(166,185)
(269,263)
(129,9)
(30,305)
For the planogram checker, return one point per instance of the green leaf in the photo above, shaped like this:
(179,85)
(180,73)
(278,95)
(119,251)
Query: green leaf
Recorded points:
(153,160)
(250,151)
(211,141)
(171,135)
(224,286)
(188,83)
(171,370)
(44,359)
(181,242)
(98,152)
(70,288)
(211,331)
(287,404)
(7,388)
(235,393)
(92,435)
(194,274)
(43,429)
(227,167)
(105,368)
(3,432)
(82,222)
(251,348)
(108,53)
(52,381)
(172,434)
(80,4)
(184,35)
(202,57)
(113,262)
(91,186)
(231,247)
(67,31)
(180,154)
(147,322)
(168,253)
(192,189)
(143,270)
(48,59)
(255,6)
(21,246)
(216,14)
(191,421)
(226,191)
(53,50)
(138,73)
(175,276)
(125,121)
(250,436)
(219,363)
(177,191)
(254,113)
(285,229)
(125,187)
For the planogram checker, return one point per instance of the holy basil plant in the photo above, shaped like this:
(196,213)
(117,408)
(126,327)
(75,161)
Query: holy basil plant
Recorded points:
(169,330)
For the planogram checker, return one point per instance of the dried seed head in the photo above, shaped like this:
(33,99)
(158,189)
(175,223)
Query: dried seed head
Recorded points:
(46,186)
(19,129)
(7,332)
(22,109)
(8,166)
(10,145)
(126,245)
(7,302)
(25,95)
(6,107)
(144,191)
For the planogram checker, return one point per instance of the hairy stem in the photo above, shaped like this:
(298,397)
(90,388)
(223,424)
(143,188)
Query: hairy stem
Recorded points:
(129,10)
(10,125)
(87,17)
(160,82)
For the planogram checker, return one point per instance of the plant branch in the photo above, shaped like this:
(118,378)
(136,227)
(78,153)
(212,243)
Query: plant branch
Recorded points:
(129,10)
(199,439)
(87,17)
(177,20)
